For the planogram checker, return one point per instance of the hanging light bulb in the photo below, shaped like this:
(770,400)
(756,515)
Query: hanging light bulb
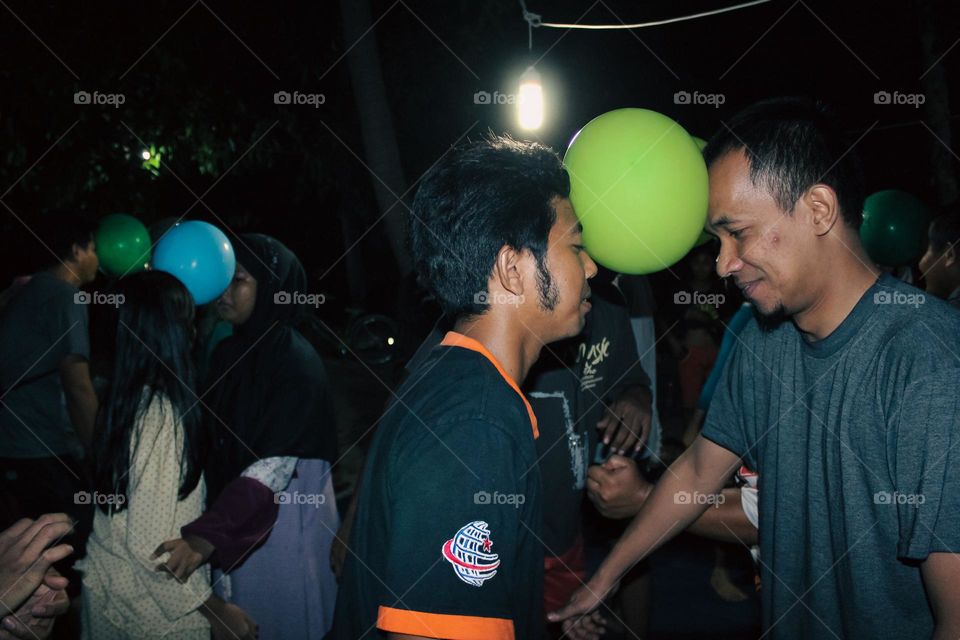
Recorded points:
(530,100)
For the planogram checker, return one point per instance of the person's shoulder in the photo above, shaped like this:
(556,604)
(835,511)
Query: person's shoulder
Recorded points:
(453,386)
(50,292)
(916,329)
(157,417)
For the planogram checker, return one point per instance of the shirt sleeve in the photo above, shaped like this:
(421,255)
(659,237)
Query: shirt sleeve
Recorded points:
(725,424)
(453,545)
(275,473)
(154,485)
(926,466)
(629,372)
(238,522)
(74,328)
(726,346)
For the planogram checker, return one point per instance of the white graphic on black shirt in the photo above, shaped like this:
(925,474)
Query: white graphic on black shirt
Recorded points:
(576,442)
(592,356)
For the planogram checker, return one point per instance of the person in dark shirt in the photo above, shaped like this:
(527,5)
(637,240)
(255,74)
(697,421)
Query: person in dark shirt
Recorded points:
(940,265)
(447,541)
(843,399)
(47,398)
(584,391)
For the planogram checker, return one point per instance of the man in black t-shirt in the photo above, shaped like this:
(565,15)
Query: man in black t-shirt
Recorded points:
(578,385)
(447,541)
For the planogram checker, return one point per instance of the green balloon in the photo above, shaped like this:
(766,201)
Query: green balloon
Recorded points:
(123,244)
(639,186)
(894,229)
(701,143)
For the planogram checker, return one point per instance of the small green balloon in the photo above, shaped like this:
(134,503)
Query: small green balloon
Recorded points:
(701,143)
(638,183)
(123,245)
(894,229)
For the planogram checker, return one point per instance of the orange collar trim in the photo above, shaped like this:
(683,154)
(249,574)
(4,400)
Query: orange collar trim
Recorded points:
(454,339)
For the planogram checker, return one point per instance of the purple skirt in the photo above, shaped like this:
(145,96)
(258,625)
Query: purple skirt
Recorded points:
(287,585)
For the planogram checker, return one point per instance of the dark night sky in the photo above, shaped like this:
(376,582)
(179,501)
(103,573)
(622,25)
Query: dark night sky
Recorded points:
(199,79)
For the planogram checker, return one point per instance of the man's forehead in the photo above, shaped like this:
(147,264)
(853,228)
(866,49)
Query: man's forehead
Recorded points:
(567,222)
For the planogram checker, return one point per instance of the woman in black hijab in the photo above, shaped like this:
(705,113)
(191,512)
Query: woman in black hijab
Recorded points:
(272,515)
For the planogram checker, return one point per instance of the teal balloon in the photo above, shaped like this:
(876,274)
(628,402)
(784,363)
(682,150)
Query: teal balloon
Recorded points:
(894,229)
(638,183)
(123,245)
(200,256)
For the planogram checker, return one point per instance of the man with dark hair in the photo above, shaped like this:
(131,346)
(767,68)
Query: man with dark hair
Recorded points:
(447,537)
(940,264)
(848,410)
(47,399)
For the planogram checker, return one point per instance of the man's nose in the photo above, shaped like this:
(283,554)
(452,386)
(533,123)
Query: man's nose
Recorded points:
(590,266)
(728,262)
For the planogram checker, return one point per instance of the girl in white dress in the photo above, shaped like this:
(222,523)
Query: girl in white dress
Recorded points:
(148,456)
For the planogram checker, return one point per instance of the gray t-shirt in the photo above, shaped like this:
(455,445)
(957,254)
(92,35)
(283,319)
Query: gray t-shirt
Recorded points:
(43,322)
(855,441)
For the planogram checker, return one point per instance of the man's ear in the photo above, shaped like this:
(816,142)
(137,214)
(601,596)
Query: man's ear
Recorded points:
(508,270)
(824,207)
(75,251)
(950,256)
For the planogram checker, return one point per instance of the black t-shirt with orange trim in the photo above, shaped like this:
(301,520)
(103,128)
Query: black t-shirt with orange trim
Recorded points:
(447,537)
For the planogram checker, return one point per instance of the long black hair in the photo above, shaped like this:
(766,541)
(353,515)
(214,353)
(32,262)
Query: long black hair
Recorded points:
(154,333)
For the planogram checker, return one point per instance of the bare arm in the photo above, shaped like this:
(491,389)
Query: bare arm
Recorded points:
(618,491)
(726,521)
(941,574)
(671,508)
(80,395)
